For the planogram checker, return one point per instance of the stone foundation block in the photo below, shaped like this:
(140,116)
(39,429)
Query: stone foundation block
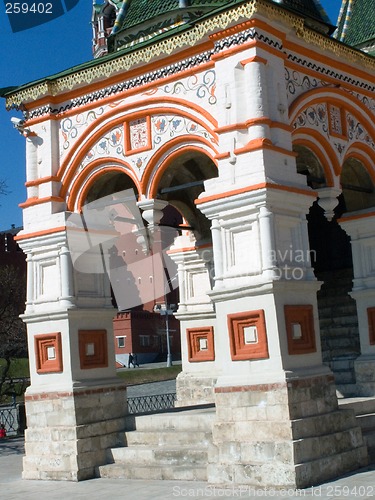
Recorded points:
(194,389)
(70,438)
(283,435)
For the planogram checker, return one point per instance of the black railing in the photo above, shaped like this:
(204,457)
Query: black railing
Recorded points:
(13,418)
(145,404)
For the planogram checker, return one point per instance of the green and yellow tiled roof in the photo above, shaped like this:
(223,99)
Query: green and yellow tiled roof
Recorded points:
(140,11)
(356,24)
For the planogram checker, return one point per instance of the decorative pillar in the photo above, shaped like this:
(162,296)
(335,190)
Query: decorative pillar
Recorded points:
(196,313)
(360,226)
(328,200)
(32,166)
(273,396)
(75,405)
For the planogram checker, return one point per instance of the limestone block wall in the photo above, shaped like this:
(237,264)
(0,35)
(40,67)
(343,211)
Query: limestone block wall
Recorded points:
(69,432)
(286,434)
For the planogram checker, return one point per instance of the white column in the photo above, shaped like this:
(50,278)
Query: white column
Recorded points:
(360,227)
(32,165)
(67,283)
(267,235)
(30,283)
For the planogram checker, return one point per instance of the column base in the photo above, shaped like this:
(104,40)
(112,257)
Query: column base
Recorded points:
(364,368)
(286,434)
(194,389)
(69,432)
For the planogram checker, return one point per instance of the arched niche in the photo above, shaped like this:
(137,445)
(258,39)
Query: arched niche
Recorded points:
(309,165)
(182,183)
(331,258)
(109,183)
(357,186)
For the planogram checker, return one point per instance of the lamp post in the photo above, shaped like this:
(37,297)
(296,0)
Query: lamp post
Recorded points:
(165,310)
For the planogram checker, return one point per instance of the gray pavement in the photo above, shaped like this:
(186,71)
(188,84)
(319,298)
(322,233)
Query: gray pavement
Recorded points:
(357,485)
(360,484)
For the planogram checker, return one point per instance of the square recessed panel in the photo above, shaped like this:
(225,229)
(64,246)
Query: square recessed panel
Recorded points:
(138,135)
(93,351)
(300,330)
(247,335)
(201,344)
(371,324)
(48,353)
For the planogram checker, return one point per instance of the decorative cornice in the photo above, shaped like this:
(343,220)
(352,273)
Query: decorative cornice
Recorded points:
(329,71)
(142,56)
(190,37)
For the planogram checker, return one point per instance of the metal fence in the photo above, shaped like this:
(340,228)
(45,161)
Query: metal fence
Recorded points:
(146,404)
(14,419)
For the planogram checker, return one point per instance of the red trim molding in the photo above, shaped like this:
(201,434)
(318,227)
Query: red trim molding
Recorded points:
(247,335)
(93,349)
(48,353)
(300,330)
(200,344)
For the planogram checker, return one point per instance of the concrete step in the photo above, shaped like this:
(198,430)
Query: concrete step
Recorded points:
(314,448)
(321,425)
(327,467)
(361,406)
(188,420)
(367,422)
(161,455)
(167,437)
(345,390)
(170,445)
(369,437)
(364,409)
(157,472)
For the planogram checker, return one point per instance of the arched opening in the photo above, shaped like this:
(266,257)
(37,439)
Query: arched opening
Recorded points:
(309,165)
(332,263)
(357,186)
(109,183)
(182,183)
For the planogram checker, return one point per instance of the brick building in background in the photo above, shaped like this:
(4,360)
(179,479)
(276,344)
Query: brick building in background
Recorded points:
(10,252)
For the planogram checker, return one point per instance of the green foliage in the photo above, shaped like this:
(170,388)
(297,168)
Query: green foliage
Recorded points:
(19,367)
(13,342)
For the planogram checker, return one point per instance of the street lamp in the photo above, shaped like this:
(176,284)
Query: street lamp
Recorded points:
(165,310)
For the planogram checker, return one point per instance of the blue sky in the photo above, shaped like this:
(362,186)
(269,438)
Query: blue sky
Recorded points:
(34,53)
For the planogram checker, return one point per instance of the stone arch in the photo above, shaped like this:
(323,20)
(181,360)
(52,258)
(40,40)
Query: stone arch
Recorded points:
(309,163)
(358,180)
(332,121)
(188,167)
(97,171)
(337,130)
(121,116)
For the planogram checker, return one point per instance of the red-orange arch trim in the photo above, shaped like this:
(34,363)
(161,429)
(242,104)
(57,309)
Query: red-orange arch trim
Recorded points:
(86,179)
(325,144)
(150,189)
(336,97)
(99,133)
(70,169)
(364,154)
